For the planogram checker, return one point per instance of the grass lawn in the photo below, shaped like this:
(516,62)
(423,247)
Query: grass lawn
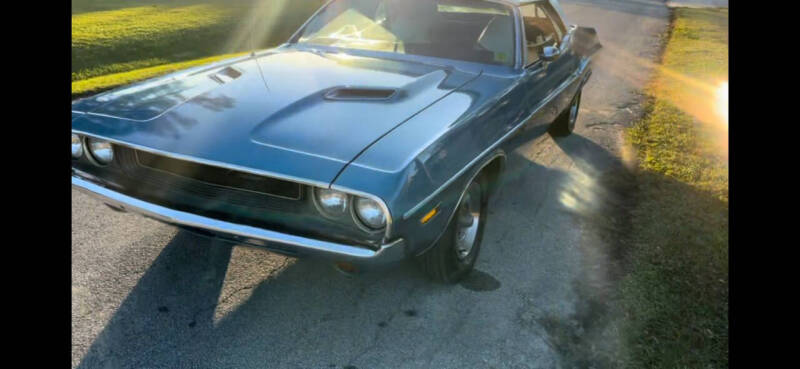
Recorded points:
(118,42)
(104,82)
(676,295)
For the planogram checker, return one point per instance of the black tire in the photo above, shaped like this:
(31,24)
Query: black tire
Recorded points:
(442,262)
(565,122)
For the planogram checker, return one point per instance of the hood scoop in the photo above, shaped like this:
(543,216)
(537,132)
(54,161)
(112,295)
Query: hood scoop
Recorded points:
(360,93)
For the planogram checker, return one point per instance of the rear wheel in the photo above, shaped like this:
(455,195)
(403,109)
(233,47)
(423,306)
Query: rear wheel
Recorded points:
(454,255)
(565,123)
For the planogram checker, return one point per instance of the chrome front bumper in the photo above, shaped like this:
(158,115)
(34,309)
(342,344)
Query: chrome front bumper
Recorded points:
(275,241)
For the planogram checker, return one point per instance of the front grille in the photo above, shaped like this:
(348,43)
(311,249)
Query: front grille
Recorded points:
(219,176)
(223,194)
(167,178)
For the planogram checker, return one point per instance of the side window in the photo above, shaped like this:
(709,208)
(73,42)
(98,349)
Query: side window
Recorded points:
(542,28)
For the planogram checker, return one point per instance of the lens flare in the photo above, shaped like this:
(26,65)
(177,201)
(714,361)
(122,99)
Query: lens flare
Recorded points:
(722,102)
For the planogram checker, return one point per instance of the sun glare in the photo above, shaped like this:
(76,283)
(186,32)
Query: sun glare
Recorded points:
(722,102)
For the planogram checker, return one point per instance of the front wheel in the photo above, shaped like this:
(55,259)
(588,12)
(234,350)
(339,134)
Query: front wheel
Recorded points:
(454,255)
(565,123)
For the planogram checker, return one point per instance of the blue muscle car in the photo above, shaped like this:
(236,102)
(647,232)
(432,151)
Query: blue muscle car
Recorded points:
(376,133)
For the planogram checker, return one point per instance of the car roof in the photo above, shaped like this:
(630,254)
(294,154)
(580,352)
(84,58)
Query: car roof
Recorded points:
(554,3)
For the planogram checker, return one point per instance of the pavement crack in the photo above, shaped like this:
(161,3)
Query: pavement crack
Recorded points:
(222,301)
(602,123)
(380,330)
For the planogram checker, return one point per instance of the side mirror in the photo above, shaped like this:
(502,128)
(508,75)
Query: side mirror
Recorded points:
(550,53)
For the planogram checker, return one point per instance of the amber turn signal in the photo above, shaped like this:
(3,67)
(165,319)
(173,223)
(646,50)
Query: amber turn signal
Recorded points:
(430,215)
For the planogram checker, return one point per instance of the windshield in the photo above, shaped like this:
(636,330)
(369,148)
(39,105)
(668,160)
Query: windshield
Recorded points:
(470,30)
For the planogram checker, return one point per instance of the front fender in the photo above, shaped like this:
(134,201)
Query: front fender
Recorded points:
(428,161)
(446,203)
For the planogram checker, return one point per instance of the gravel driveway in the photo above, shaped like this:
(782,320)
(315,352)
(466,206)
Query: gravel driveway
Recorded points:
(147,295)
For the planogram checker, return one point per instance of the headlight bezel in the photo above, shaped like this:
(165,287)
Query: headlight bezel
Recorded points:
(325,212)
(358,219)
(351,215)
(88,141)
(80,144)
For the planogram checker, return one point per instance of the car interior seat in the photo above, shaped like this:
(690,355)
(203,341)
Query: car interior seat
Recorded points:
(538,31)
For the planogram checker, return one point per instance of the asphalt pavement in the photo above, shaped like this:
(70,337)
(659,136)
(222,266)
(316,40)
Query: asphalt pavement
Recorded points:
(147,295)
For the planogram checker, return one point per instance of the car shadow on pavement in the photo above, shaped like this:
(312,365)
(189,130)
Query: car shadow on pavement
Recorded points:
(168,318)
(603,194)
(187,275)
(306,314)
(599,192)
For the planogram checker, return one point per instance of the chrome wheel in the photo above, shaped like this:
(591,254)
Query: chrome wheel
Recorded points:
(468,221)
(456,251)
(564,124)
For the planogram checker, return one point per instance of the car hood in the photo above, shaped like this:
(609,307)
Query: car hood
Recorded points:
(291,113)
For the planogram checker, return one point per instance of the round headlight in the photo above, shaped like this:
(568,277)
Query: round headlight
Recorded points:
(77,146)
(370,213)
(101,150)
(331,202)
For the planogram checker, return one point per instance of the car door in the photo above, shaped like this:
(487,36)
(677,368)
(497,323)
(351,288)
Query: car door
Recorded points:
(561,69)
(541,79)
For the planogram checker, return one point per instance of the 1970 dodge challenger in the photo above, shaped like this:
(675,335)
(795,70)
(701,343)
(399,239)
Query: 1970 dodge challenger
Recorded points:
(376,133)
